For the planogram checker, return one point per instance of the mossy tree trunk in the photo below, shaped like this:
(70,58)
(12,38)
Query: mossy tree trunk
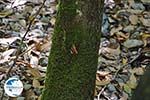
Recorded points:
(74,53)
(143,90)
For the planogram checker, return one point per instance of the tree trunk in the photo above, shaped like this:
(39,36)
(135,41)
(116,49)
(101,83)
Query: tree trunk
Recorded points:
(74,53)
(143,90)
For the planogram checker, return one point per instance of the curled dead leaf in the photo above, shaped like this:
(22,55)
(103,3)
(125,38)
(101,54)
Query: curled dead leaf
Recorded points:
(145,37)
(102,78)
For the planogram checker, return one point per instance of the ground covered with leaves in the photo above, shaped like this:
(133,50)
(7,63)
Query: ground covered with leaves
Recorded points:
(26,27)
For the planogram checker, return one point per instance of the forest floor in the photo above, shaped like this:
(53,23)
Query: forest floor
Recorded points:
(26,27)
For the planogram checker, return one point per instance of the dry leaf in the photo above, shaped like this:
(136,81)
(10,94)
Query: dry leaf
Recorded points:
(102,78)
(34,60)
(2,69)
(8,41)
(124,61)
(132,83)
(145,37)
(121,36)
(138,71)
(115,30)
(46,46)
(30,94)
(109,52)
(34,72)
(145,22)
(124,97)
(53,21)
(7,53)
(127,89)
(35,83)
(133,19)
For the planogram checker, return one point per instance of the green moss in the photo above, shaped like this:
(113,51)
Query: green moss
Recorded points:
(71,75)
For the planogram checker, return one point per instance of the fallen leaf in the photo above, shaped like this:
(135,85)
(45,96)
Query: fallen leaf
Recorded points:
(7,53)
(34,72)
(127,89)
(145,37)
(2,69)
(34,60)
(138,71)
(132,83)
(124,61)
(53,21)
(145,22)
(35,83)
(30,95)
(102,78)
(124,97)
(8,41)
(133,19)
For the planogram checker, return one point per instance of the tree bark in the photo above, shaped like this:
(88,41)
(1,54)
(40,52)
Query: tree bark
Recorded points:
(74,53)
(143,90)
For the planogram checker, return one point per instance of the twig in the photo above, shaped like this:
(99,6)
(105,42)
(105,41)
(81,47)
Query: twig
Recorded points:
(27,50)
(98,96)
(19,48)
(121,67)
(107,98)
(28,29)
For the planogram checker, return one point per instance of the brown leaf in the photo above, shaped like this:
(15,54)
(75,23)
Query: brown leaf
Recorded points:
(2,69)
(35,83)
(102,78)
(30,95)
(138,71)
(34,72)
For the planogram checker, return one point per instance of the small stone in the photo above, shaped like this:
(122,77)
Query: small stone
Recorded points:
(129,29)
(111,88)
(105,25)
(27,86)
(133,43)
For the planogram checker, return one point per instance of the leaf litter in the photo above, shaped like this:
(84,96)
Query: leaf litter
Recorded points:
(125,42)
